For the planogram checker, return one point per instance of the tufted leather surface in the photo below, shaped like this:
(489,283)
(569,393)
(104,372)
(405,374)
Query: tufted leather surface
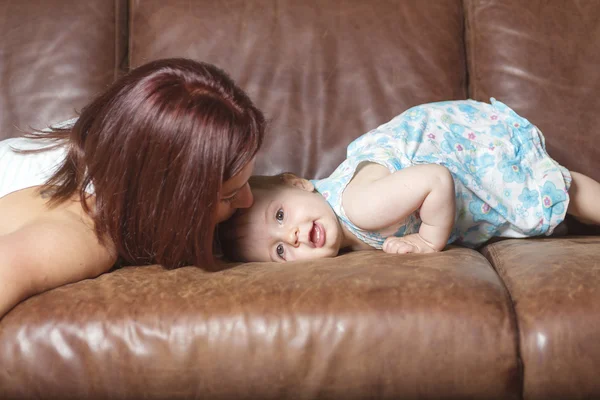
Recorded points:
(554,285)
(330,329)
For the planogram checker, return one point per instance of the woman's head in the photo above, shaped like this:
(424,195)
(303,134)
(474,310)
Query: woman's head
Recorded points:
(168,148)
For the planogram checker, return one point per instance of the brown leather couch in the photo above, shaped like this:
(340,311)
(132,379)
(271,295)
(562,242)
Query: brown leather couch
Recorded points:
(517,319)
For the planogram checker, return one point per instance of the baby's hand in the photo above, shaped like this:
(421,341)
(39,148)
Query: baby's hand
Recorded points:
(406,244)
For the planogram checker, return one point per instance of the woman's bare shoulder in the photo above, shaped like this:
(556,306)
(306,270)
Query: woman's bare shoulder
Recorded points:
(27,211)
(20,207)
(42,248)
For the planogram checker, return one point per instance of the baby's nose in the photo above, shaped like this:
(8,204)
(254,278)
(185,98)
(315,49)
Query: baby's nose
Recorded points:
(293,237)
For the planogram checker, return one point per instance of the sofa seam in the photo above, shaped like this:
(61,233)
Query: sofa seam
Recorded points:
(121,47)
(497,264)
(116,38)
(465,56)
(129,32)
(469,41)
(118,33)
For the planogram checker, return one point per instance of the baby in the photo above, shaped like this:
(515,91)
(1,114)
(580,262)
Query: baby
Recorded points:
(449,172)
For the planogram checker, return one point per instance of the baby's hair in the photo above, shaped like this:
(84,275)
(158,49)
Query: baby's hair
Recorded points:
(157,147)
(233,232)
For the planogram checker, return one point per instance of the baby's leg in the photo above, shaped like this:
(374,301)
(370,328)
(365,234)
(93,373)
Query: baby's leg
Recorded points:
(585,199)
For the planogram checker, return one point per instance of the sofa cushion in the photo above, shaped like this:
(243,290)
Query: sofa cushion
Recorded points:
(363,325)
(324,72)
(541,58)
(54,56)
(555,288)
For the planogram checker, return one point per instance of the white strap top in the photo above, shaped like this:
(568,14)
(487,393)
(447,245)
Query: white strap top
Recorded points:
(20,171)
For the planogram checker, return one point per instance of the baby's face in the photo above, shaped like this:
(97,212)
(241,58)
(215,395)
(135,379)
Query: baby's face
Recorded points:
(288,224)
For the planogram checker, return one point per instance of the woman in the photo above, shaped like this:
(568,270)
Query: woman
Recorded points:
(141,177)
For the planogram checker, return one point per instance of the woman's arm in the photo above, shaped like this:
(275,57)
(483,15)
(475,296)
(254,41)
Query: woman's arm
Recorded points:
(376,199)
(47,252)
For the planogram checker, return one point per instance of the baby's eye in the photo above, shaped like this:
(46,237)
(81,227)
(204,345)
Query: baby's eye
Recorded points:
(279,215)
(280,251)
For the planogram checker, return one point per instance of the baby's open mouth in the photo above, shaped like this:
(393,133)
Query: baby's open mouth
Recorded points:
(317,235)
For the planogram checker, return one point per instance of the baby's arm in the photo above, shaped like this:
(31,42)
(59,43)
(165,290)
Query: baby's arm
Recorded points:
(376,199)
(46,253)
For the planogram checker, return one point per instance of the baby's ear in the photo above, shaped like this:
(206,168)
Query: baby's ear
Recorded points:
(290,179)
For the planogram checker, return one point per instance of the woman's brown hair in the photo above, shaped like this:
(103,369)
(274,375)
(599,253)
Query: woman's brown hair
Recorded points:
(156,147)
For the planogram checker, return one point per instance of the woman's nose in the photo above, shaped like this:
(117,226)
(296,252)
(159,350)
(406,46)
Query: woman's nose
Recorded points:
(244,198)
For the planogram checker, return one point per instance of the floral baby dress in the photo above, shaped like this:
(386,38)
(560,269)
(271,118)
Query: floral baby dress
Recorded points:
(505,182)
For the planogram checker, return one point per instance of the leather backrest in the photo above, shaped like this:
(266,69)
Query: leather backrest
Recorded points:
(55,56)
(324,72)
(543,59)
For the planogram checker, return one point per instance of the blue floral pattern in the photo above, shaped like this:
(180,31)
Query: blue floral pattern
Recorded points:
(506,184)
(529,198)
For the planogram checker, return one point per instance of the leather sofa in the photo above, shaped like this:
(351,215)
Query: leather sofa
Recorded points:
(516,319)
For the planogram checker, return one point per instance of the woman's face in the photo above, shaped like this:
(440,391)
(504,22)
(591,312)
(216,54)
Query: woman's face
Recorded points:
(235,193)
